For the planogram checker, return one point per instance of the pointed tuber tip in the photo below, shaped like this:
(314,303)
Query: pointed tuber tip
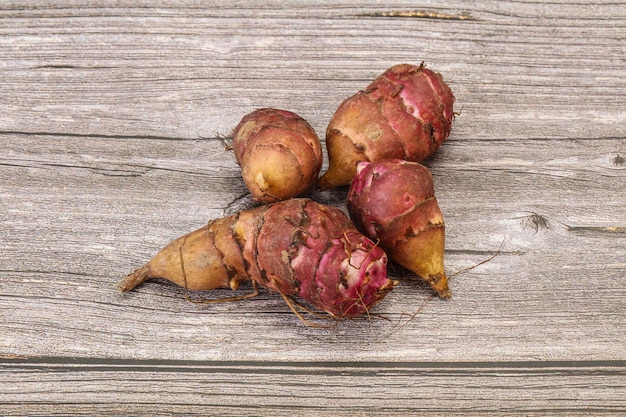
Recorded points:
(335,177)
(135,279)
(439,283)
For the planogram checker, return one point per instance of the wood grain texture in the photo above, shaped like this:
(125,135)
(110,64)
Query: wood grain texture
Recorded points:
(348,389)
(112,125)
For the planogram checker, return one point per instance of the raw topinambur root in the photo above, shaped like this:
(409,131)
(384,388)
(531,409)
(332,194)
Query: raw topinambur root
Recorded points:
(393,201)
(405,113)
(279,153)
(295,247)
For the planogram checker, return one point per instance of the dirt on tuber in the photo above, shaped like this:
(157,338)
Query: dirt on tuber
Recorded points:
(405,113)
(295,247)
(279,153)
(393,201)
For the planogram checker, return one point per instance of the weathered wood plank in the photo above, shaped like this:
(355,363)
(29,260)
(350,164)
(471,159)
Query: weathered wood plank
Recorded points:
(514,69)
(561,270)
(240,388)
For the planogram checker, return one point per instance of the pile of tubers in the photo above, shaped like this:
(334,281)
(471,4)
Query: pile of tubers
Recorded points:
(295,246)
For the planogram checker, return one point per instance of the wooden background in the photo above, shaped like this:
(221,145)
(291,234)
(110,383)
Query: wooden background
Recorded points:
(112,123)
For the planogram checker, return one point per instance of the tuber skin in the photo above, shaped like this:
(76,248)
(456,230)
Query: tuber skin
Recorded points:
(279,153)
(295,247)
(405,113)
(393,201)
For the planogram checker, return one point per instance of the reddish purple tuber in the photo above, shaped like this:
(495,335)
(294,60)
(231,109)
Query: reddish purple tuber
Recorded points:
(295,247)
(405,113)
(393,201)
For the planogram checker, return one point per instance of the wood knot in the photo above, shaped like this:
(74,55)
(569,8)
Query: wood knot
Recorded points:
(535,222)
(618,160)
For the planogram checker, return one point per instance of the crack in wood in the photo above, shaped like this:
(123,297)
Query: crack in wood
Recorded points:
(418,14)
(105,136)
(482,252)
(600,230)
(70,66)
(112,172)
(536,222)
(604,367)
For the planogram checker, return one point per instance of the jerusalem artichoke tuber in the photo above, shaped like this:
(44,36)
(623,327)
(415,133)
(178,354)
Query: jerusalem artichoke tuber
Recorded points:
(408,223)
(279,153)
(294,247)
(405,113)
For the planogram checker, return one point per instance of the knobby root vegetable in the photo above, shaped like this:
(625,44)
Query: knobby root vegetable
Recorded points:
(393,201)
(295,247)
(279,153)
(405,113)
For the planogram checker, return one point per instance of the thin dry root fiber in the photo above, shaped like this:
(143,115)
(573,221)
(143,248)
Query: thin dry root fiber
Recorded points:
(405,113)
(279,153)
(409,224)
(295,247)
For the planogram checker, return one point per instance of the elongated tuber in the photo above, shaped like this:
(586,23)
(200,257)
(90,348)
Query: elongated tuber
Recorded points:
(295,247)
(279,153)
(394,201)
(405,113)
